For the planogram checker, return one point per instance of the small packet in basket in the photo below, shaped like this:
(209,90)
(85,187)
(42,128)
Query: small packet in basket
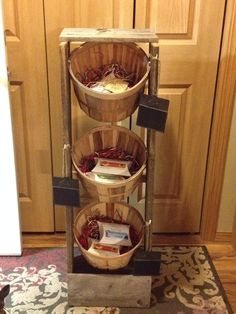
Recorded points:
(114,234)
(100,249)
(105,178)
(110,84)
(112,166)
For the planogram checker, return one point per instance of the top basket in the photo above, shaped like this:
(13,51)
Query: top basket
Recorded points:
(114,106)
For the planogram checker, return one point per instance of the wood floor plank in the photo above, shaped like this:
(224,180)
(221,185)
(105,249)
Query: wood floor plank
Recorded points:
(224,260)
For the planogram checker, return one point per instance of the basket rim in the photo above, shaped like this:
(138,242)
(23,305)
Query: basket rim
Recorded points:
(108,257)
(110,96)
(111,185)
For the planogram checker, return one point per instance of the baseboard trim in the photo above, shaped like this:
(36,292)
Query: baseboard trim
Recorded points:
(37,240)
(223,237)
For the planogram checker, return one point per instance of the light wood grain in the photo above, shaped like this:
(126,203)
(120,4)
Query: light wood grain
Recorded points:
(234,231)
(171,19)
(32,240)
(223,109)
(224,260)
(188,72)
(30,112)
(223,237)
(108,35)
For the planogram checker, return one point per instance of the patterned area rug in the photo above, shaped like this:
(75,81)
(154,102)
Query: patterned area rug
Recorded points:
(188,283)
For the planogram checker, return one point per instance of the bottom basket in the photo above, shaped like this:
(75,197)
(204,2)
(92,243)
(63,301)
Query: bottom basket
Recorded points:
(118,211)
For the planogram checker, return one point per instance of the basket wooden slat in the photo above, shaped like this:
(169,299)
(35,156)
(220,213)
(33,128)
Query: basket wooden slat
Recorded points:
(115,106)
(104,137)
(119,211)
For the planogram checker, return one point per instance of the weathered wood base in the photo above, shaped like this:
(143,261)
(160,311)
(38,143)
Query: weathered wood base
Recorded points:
(109,290)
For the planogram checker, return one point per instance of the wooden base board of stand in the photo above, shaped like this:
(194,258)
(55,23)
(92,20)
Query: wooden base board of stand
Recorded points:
(109,290)
(129,286)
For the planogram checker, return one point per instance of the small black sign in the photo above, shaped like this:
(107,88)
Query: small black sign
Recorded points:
(66,191)
(147,263)
(152,112)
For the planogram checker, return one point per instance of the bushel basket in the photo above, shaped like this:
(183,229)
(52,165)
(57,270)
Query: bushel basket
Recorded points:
(92,56)
(103,137)
(118,211)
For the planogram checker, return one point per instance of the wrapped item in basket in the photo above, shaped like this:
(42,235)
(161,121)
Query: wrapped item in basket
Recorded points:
(105,178)
(110,84)
(112,166)
(101,249)
(114,233)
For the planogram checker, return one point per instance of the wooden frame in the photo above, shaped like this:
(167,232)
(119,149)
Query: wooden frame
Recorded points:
(233,239)
(137,288)
(223,108)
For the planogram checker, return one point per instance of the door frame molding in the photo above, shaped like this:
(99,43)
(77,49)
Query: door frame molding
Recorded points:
(221,125)
(233,239)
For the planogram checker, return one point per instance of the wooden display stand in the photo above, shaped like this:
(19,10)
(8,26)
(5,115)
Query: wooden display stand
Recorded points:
(88,286)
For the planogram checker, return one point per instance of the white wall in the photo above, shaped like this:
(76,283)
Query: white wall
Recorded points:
(228,197)
(10,236)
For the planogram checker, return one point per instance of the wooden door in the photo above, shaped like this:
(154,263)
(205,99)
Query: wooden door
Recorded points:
(190,37)
(75,13)
(25,41)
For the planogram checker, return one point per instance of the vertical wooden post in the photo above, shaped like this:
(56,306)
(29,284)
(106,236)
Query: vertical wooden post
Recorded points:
(234,230)
(67,169)
(152,90)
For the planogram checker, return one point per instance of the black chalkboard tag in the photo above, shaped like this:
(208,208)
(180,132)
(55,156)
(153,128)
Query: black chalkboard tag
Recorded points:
(152,112)
(66,191)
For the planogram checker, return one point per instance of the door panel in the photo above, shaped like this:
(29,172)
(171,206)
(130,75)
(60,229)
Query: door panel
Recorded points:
(190,36)
(75,13)
(24,29)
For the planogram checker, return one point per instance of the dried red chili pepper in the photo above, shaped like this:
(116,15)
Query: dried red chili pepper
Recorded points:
(92,76)
(87,163)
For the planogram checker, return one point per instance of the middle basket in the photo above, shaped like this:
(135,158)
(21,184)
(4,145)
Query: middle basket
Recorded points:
(103,137)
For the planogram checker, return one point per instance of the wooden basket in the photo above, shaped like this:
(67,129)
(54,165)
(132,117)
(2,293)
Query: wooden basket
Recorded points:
(108,107)
(117,211)
(104,137)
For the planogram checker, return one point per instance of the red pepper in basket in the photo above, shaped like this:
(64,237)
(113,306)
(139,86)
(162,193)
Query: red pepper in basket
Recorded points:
(92,76)
(87,163)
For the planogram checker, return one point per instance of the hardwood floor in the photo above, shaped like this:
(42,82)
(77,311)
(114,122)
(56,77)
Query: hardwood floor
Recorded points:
(224,259)
(222,253)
